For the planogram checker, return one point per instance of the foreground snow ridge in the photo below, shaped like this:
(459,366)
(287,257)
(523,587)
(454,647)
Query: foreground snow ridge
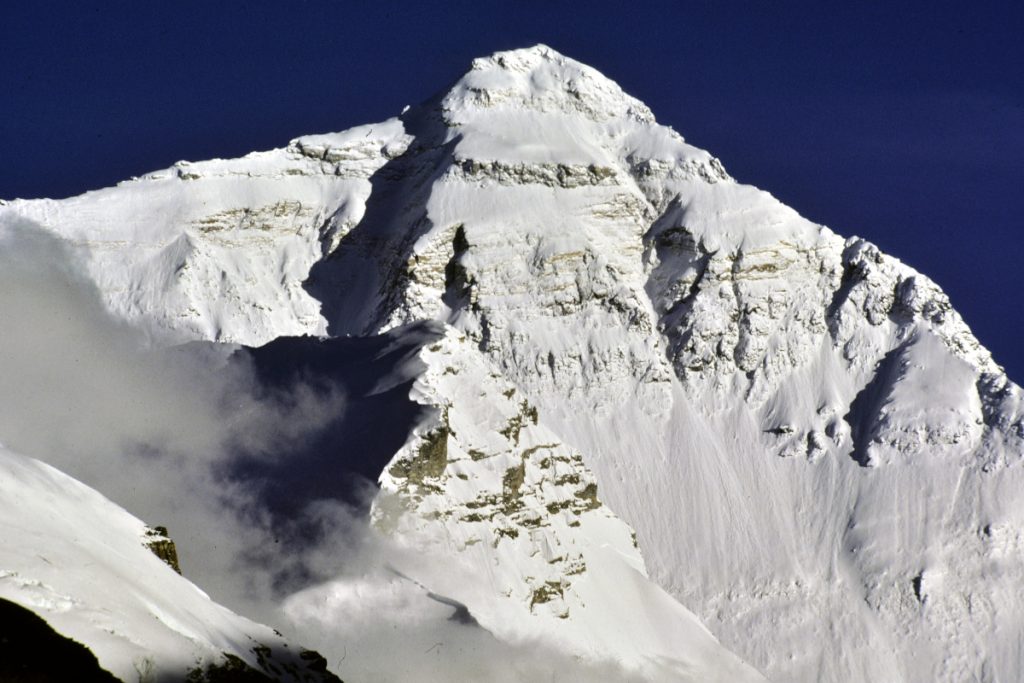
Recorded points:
(84,565)
(662,404)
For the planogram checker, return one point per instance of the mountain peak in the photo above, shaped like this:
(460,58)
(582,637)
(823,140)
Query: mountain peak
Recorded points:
(627,339)
(543,79)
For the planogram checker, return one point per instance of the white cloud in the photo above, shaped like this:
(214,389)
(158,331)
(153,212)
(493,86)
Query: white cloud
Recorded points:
(152,429)
(379,627)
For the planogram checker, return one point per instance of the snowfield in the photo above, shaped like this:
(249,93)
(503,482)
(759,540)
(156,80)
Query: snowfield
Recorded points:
(671,423)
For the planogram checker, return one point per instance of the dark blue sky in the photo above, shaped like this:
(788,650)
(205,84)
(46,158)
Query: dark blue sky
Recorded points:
(905,126)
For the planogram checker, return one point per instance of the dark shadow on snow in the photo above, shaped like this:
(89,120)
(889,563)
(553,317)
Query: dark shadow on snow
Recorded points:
(865,408)
(32,652)
(335,462)
(358,282)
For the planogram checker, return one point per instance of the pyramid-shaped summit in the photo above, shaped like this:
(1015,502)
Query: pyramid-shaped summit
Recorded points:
(646,385)
(541,79)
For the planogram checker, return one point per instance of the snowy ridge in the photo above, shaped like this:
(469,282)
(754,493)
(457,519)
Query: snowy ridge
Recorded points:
(219,249)
(82,563)
(817,456)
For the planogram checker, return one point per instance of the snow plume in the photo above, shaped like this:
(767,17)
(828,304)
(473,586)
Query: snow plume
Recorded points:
(154,430)
(380,626)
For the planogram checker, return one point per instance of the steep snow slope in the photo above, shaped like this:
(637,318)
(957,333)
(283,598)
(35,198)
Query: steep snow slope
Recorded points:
(83,564)
(817,456)
(219,249)
(490,487)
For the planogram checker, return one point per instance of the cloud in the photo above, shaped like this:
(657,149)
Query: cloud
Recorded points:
(379,627)
(155,430)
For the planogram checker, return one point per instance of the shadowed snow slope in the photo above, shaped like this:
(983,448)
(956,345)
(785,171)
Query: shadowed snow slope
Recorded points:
(817,456)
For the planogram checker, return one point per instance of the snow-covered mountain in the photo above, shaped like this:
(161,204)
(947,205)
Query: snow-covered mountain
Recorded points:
(661,402)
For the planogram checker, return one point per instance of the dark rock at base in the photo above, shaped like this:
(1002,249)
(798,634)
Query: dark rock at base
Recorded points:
(231,670)
(32,652)
(308,667)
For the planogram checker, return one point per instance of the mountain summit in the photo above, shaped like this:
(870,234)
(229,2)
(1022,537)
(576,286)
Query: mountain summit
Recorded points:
(659,404)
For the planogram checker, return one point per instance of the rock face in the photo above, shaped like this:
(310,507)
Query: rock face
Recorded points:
(162,546)
(816,455)
(32,652)
(487,484)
